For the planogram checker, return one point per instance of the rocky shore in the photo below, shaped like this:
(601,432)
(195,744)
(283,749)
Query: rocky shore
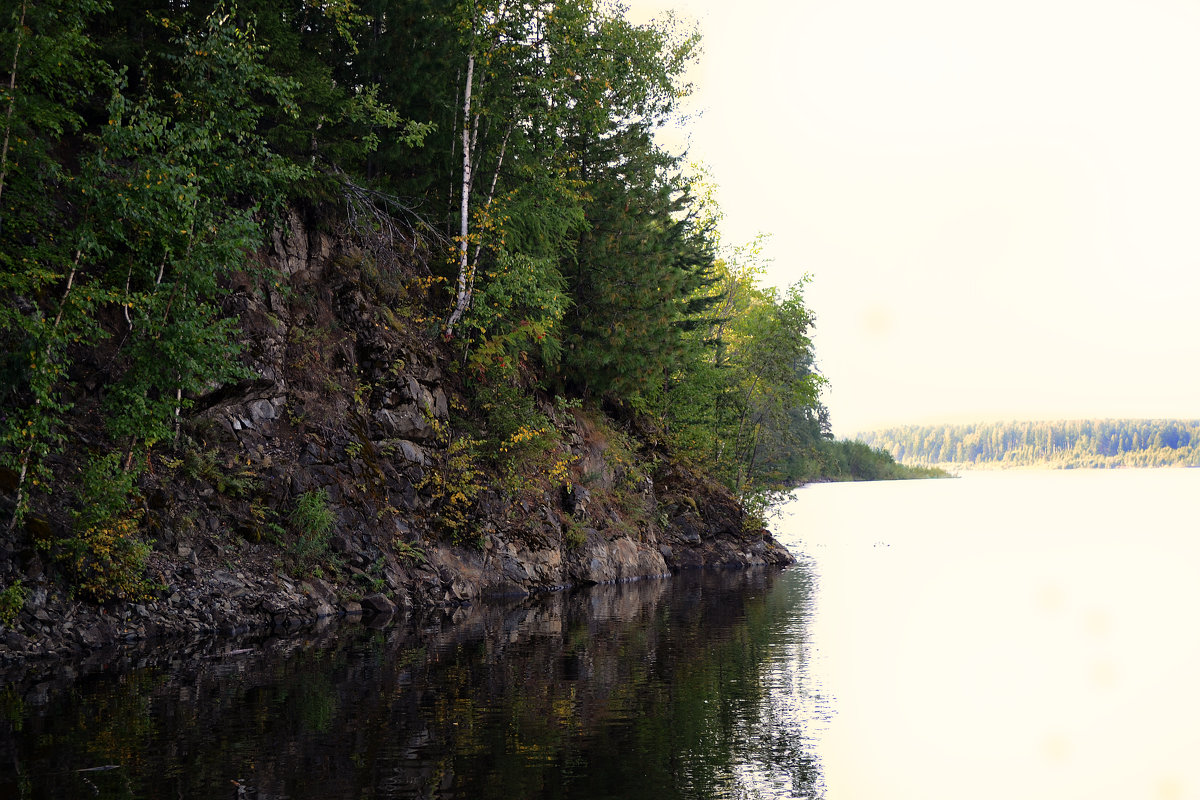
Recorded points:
(350,400)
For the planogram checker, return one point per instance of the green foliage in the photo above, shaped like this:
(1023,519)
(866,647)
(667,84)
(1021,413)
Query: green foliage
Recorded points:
(150,152)
(741,403)
(313,520)
(407,552)
(855,461)
(12,600)
(53,70)
(521,443)
(574,535)
(169,168)
(637,274)
(516,313)
(265,524)
(135,231)
(204,464)
(103,555)
(761,505)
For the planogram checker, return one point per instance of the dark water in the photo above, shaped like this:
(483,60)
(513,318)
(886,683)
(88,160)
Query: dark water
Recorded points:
(691,687)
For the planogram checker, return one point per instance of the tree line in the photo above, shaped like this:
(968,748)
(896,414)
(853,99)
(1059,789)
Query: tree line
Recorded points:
(1076,443)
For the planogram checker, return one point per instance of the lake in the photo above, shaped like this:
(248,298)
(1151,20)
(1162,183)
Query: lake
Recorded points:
(1007,634)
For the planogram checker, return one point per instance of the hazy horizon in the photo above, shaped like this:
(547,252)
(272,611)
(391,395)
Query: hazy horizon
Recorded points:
(996,202)
(1016,420)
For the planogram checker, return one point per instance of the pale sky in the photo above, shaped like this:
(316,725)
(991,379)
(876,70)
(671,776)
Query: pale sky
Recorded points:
(998,202)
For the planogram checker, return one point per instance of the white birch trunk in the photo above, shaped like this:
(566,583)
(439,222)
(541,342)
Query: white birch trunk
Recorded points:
(462,289)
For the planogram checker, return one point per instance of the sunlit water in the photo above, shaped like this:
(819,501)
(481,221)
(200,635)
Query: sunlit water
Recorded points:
(1006,635)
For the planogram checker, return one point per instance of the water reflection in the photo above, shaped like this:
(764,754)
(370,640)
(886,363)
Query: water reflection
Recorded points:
(693,687)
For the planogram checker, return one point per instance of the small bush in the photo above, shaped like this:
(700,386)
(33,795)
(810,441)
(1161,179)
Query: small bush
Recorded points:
(574,536)
(313,520)
(12,600)
(407,552)
(103,554)
(108,561)
(521,442)
(454,487)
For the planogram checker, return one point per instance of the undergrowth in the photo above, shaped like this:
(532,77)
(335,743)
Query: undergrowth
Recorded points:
(312,519)
(103,556)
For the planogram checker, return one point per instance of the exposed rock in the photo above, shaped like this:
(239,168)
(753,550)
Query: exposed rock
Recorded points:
(378,604)
(261,411)
(577,499)
(404,421)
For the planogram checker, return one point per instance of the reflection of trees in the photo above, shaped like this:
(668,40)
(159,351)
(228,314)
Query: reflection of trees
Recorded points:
(653,689)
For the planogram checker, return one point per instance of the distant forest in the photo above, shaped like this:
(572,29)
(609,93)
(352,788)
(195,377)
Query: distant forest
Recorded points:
(1077,443)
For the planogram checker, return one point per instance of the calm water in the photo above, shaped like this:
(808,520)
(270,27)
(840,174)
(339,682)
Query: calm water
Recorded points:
(1006,635)
(688,688)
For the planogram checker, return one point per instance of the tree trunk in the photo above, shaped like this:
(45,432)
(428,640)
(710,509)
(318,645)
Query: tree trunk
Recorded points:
(463,289)
(21,498)
(12,98)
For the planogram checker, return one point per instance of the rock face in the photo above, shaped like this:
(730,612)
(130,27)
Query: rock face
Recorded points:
(352,400)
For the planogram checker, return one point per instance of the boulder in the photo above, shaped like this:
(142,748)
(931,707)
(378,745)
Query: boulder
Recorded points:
(378,604)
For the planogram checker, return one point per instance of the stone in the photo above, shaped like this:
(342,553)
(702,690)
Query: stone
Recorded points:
(15,641)
(412,452)
(93,636)
(291,245)
(261,411)
(392,578)
(515,571)
(577,499)
(378,604)
(319,588)
(404,421)
(274,606)
(460,591)
(441,408)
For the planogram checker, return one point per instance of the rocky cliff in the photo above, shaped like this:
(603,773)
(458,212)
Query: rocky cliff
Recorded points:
(354,401)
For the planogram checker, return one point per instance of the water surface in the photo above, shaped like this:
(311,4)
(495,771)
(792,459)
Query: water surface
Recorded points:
(681,688)
(1007,635)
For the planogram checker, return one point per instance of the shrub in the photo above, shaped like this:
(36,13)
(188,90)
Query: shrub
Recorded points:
(522,442)
(103,555)
(108,561)
(12,600)
(313,520)
(454,487)
(574,536)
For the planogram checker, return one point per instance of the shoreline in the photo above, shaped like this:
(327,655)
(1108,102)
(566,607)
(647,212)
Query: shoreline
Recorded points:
(127,650)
